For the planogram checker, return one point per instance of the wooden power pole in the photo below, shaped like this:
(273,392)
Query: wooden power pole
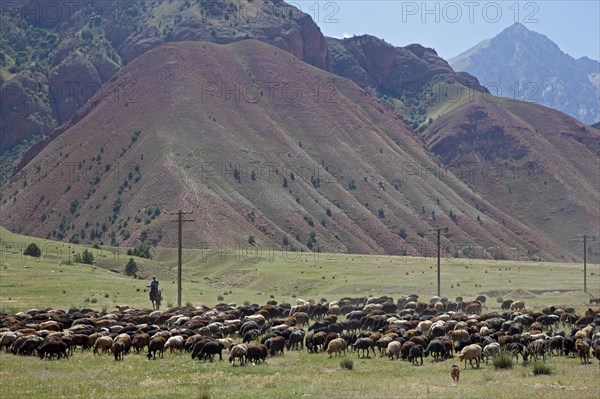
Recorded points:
(180,222)
(584,263)
(438,262)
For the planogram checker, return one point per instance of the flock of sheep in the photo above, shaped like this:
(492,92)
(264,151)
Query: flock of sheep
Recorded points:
(406,329)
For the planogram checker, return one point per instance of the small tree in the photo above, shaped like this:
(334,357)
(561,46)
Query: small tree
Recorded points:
(88,257)
(33,250)
(251,240)
(84,257)
(131,267)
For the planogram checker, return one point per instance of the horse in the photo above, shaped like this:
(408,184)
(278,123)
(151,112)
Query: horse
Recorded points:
(155,297)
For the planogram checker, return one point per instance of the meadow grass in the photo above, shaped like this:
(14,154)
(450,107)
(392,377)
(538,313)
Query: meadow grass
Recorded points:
(211,276)
(296,374)
(258,277)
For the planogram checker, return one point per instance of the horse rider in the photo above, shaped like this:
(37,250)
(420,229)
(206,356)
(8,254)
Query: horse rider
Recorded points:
(153,284)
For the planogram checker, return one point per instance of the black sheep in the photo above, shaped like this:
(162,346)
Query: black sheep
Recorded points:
(211,349)
(415,352)
(437,350)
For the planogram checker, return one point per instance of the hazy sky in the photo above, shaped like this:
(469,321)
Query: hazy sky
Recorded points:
(451,27)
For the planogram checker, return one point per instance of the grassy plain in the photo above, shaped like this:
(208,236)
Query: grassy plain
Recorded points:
(238,276)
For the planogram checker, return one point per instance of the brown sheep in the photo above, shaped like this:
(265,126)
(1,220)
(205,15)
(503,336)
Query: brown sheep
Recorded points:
(92,339)
(239,351)
(256,353)
(517,305)
(337,346)
(583,349)
(104,343)
(140,341)
(118,349)
(157,344)
(469,353)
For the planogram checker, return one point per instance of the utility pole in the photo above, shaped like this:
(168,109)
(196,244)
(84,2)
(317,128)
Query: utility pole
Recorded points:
(438,262)
(585,240)
(585,263)
(438,230)
(180,222)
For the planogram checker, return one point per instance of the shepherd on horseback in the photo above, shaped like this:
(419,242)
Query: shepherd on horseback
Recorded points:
(155,294)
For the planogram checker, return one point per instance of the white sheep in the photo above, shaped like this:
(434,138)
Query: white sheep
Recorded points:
(393,350)
(174,344)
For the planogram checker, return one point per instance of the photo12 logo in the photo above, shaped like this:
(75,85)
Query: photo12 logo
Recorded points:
(469,11)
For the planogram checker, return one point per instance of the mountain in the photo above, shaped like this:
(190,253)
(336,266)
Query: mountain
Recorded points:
(54,57)
(522,64)
(268,151)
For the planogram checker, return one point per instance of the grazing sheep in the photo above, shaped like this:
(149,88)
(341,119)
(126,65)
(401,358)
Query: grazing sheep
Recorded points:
(393,350)
(583,350)
(458,335)
(296,340)
(118,348)
(537,348)
(364,345)
(470,353)
(104,343)
(517,349)
(157,344)
(491,350)
(174,344)
(239,351)
(473,308)
(140,341)
(597,351)
(506,304)
(275,345)
(257,353)
(455,373)
(414,353)
(337,346)
(437,349)
(210,349)
(251,335)
(517,305)
(53,346)
(7,338)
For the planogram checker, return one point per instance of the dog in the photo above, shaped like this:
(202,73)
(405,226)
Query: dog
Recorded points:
(455,373)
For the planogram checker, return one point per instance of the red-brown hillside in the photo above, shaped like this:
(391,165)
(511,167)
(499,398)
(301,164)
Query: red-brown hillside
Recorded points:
(256,143)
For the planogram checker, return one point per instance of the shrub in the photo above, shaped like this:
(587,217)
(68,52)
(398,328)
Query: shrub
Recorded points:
(402,233)
(131,267)
(220,298)
(93,300)
(188,304)
(84,257)
(33,250)
(503,360)
(251,240)
(347,364)
(499,299)
(541,368)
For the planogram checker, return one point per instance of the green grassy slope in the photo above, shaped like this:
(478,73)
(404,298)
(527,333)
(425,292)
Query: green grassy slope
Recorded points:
(212,276)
